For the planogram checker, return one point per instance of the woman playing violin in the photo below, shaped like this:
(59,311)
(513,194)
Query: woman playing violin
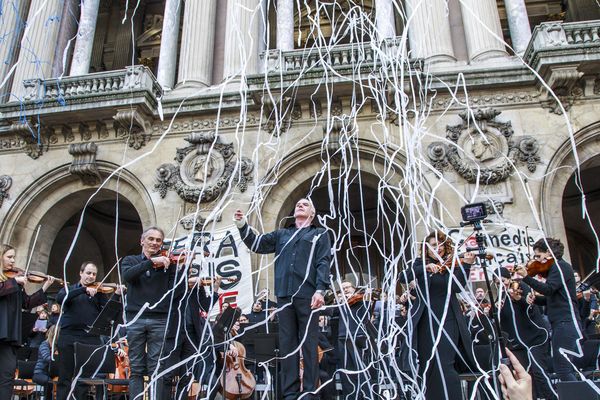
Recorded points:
(81,305)
(13,299)
(558,291)
(439,377)
(527,337)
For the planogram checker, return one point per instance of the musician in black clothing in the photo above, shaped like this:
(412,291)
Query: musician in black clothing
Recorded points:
(194,338)
(437,371)
(13,300)
(302,258)
(353,343)
(149,276)
(81,305)
(560,300)
(527,338)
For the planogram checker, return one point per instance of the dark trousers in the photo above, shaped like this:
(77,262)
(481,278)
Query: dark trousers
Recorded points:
(441,371)
(200,364)
(536,364)
(66,368)
(564,336)
(354,385)
(296,320)
(149,354)
(8,366)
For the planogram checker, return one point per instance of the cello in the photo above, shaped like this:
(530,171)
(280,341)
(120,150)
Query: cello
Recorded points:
(122,369)
(238,381)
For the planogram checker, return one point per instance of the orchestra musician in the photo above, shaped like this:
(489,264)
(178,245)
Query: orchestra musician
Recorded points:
(436,366)
(148,277)
(81,305)
(527,338)
(560,299)
(194,339)
(353,314)
(13,299)
(302,268)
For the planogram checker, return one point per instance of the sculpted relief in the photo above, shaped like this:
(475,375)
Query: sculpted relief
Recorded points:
(204,169)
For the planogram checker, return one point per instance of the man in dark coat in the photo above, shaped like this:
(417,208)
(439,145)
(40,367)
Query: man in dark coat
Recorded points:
(302,258)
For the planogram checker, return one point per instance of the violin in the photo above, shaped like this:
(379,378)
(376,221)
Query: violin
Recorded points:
(239,381)
(514,289)
(355,298)
(105,288)
(195,280)
(536,267)
(32,276)
(175,257)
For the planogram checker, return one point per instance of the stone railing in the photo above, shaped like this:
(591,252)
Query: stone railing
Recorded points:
(132,79)
(570,35)
(339,57)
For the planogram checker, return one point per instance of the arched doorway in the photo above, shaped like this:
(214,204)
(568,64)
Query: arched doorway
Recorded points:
(48,208)
(366,215)
(110,229)
(581,239)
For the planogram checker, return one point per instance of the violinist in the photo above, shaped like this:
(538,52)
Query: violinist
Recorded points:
(194,339)
(13,299)
(560,299)
(353,318)
(149,276)
(81,305)
(527,338)
(436,365)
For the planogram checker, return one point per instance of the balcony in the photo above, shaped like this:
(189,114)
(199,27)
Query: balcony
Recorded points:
(100,91)
(567,58)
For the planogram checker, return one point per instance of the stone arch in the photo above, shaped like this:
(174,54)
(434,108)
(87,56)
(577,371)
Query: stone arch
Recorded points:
(37,205)
(560,169)
(294,176)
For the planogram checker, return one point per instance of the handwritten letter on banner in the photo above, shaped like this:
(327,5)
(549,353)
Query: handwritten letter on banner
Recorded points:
(222,253)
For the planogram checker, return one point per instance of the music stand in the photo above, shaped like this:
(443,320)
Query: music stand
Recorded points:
(222,331)
(266,347)
(110,316)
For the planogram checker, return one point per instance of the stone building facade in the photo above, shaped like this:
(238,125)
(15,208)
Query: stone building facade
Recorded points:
(390,114)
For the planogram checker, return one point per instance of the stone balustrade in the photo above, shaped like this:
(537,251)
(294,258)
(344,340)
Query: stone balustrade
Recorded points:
(339,57)
(554,35)
(92,86)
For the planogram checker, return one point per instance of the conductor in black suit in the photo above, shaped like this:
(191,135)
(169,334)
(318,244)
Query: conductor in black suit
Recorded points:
(302,267)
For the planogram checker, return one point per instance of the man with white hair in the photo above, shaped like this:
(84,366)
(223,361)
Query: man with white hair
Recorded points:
(302,268)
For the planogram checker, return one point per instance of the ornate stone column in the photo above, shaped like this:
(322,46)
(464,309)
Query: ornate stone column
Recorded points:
(285,24)
(68,28)
(482,29)
(241,37)
(429,30)
(82,55)
(39,41)
(197,43)
(12,24)
(518,24)
(167,59)
(384,19)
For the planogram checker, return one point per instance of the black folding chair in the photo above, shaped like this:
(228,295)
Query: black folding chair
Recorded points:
(92,363)
(23,386)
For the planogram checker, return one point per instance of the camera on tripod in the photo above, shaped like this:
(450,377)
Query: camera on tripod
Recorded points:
(474,212)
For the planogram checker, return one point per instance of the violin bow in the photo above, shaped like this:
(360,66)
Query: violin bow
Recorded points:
(37,233)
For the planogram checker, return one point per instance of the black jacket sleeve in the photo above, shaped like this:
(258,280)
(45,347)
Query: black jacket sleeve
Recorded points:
(73,292)
(323,261)
(262,244)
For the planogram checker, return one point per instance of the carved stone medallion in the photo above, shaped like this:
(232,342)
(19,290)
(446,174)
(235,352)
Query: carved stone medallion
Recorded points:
(483,149)
(204,169)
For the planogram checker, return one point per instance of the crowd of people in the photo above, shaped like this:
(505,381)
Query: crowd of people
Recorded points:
(415,339)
